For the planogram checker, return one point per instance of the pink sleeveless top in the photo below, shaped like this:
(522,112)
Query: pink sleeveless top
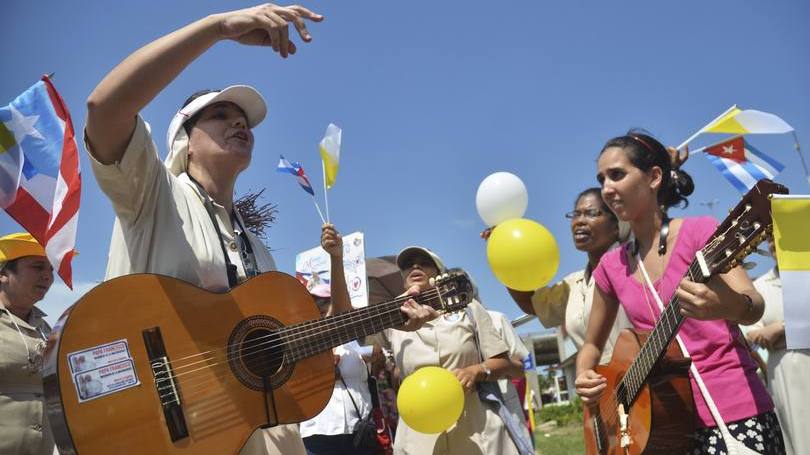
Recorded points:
(716,348)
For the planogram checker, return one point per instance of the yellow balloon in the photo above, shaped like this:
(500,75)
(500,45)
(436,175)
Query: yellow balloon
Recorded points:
(523,254)
(430,400)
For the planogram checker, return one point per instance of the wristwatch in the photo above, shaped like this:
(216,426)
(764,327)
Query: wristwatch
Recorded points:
(487,371)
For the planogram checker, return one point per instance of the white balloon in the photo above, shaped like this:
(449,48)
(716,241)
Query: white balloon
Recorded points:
(501,196)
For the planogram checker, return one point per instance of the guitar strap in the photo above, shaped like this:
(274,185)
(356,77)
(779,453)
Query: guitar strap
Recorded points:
(490,392)
(250,264)
(734,447)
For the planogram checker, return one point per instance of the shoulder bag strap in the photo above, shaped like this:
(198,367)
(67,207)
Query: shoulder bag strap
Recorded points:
(734,446)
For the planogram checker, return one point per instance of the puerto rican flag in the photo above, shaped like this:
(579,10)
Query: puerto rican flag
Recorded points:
(295,169)
(741,163)
(40,180)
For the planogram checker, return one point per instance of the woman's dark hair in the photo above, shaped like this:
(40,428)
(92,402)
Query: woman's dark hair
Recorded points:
(597,193)
(188,125)
(645,152)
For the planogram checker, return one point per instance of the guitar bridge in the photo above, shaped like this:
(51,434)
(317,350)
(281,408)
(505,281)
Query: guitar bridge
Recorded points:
(624,430)
(165,384)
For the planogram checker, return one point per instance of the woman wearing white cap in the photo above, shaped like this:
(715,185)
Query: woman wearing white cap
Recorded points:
(25,277)
(177,218)
(465,343)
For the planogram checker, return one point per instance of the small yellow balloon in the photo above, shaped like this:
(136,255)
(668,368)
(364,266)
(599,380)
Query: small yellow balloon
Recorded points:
(523,254)
(430,400)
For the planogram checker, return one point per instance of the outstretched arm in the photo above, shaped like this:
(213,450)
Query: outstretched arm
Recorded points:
(114,103)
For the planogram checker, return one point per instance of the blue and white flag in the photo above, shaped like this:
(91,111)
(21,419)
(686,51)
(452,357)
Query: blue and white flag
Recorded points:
(285,167)
(741,163)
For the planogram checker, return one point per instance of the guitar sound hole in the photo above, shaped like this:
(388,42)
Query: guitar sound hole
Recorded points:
(256,352)
(261,352)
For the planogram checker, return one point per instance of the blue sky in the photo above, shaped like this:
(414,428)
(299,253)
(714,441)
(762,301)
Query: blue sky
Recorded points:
(433,97)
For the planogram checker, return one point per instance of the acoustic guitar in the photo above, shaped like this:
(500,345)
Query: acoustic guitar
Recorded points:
(149,364)
(648,407)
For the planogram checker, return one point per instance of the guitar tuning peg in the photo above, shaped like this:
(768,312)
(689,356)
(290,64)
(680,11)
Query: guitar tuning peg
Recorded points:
(432,281)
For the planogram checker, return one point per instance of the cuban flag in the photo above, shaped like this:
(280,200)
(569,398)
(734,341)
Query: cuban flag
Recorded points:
(295,169)
(40,181)
(741,163)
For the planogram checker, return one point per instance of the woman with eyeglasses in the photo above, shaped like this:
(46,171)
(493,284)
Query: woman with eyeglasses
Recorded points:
(594,230)
(639,183)
(25,277)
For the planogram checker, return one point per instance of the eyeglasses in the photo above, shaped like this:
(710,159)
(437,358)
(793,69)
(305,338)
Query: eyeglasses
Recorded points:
(588,213)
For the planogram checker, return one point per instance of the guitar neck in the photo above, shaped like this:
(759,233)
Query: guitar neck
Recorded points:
(313,337)
(656,344)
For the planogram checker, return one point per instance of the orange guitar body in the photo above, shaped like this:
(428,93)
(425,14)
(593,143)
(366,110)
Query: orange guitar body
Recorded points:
(219,411)
(662,418)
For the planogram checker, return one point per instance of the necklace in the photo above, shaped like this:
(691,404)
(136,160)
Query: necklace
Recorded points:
(34,354)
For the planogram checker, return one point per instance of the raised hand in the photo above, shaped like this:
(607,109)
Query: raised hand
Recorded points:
(331,241)
(267,25)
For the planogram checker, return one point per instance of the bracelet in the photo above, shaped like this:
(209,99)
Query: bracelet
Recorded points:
(487,371)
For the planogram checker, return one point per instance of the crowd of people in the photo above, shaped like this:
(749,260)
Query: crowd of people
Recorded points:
(177,217)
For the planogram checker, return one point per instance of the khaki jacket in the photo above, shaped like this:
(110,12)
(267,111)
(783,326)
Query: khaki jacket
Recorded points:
(24,427)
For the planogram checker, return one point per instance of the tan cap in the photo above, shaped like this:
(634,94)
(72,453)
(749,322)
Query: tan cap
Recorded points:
(411,251)
(244,96)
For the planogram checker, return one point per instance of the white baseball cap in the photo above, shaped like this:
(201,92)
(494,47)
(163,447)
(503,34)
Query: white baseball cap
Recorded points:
(244,96)
(411,251)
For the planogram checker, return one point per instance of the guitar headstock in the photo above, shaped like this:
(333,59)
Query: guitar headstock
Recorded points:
(455,290)
(747,225)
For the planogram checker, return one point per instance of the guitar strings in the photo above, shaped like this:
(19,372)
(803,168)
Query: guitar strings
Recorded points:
(674,306)
(288,328)
(331,322)
(290,335)
(356,317)
(190,384)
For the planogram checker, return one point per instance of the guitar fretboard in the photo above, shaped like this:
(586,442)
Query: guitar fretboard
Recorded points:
(656,345)
(313,337)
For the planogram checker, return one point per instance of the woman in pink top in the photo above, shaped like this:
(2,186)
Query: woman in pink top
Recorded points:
(639,183)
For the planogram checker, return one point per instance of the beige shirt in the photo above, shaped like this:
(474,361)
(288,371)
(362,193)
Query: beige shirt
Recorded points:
(569,302)
(518,351)
(448,342)
(24,425)
(788,372)
(162,227)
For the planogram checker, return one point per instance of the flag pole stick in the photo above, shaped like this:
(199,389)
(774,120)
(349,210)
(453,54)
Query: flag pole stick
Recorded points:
(692,152)
(692,137)
(799,151)
(318,207)
(325,191)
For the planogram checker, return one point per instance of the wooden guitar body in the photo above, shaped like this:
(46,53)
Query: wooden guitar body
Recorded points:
(148,364)
(219,411)
(661,420)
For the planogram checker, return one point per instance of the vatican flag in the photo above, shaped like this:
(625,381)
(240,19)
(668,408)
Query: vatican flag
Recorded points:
(791,218)
(330,153)
(748,121)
